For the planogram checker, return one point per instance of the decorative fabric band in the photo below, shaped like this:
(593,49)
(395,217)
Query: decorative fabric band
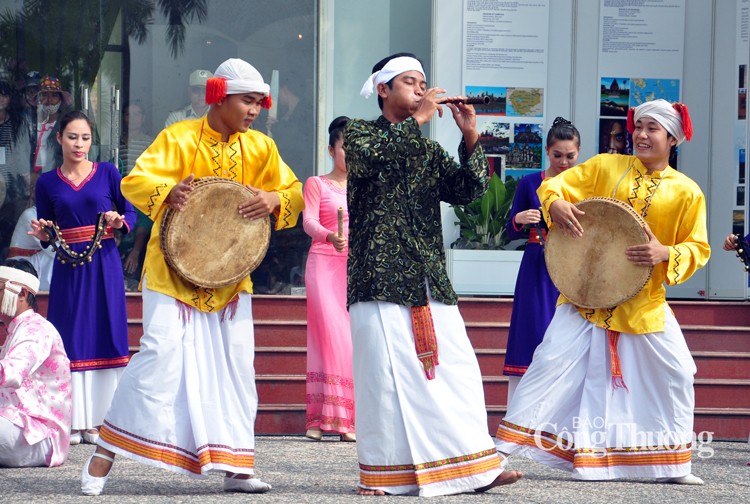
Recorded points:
(14,252)
(425,339)
(617,380)
(84,234)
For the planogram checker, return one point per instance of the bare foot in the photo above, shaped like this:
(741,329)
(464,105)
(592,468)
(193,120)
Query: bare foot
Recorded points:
(367,491)
(505,478)
(99,467)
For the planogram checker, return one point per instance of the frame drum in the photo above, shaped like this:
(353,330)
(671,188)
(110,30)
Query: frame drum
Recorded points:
(593,271)
(209,243)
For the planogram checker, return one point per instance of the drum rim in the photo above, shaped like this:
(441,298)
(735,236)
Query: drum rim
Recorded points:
(637,287)
(170,212)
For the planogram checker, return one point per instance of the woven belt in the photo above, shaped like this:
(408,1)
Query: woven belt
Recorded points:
(83,234)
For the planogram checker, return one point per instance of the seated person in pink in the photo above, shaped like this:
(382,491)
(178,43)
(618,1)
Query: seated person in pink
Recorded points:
(35,393)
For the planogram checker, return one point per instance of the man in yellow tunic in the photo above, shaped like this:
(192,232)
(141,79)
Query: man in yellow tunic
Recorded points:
(187,401)
(609,393)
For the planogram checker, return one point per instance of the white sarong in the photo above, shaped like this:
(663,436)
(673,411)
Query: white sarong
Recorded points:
(566,413)
(187,400)
(416,435)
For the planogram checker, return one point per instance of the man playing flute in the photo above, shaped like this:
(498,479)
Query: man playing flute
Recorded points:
(420,411)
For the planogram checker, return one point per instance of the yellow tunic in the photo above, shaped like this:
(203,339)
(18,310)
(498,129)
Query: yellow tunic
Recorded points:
(674,208)
(193,147)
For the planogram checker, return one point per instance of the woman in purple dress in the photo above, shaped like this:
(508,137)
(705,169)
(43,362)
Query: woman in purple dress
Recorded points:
(86,297)
(330,382)
(535,295)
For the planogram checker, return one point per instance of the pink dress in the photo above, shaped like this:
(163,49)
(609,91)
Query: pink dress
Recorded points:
(35,391)
(330,384)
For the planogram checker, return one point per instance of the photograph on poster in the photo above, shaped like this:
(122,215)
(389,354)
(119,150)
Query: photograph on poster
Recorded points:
(738,222)
(740,191)
(741,166)
(524,155)
(497,164)
(614,137)
(494,136)
(742,103)
(519,173)
(496,106)
(524,102)
(527,133)
(614,98)
(643,90)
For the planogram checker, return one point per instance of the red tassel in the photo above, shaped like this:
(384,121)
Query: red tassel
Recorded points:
(631,120)
(216,90)
(687,124)
(266,102)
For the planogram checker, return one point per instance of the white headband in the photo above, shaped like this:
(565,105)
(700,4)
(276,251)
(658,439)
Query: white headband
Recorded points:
(394,67)
(241,77)
(665,114)
(15,279)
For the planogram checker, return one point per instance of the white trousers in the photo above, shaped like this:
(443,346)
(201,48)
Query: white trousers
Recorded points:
(15,451)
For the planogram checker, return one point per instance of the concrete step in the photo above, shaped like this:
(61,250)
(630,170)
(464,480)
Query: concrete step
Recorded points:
(709,393)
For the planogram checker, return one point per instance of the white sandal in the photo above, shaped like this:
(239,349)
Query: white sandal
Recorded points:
(92,485)
(689,479)
(247,485)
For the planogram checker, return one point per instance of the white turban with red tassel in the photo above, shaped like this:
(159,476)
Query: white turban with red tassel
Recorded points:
(15,280)
(236,76)
(674,117)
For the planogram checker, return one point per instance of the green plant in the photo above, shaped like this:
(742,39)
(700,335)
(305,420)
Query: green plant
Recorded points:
(483,221)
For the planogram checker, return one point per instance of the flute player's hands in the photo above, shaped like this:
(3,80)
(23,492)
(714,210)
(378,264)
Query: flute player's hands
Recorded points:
(428,105)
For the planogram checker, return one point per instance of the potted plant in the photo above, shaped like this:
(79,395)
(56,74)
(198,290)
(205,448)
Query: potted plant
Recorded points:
(482,222)
(481,261)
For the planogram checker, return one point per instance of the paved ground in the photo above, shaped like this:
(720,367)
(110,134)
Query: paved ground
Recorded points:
(303,471)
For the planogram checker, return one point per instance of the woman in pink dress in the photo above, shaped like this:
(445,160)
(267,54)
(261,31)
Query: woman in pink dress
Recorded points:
(330,385)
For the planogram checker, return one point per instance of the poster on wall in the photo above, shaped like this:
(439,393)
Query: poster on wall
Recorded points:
(505,62)
(638,61)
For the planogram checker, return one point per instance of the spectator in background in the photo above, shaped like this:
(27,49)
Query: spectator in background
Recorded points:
(46,153)
(197,107)
(28,248)
(134,139)
(14,162)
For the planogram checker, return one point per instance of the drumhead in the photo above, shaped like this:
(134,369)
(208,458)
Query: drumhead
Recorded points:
(593,271)
(209,243)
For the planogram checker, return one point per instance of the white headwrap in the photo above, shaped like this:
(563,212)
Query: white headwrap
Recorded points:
(235,76)
(665,114)
(394,67)
(15,280)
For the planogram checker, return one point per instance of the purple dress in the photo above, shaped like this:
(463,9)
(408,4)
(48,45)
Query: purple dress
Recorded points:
(87,303)
(535,296)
